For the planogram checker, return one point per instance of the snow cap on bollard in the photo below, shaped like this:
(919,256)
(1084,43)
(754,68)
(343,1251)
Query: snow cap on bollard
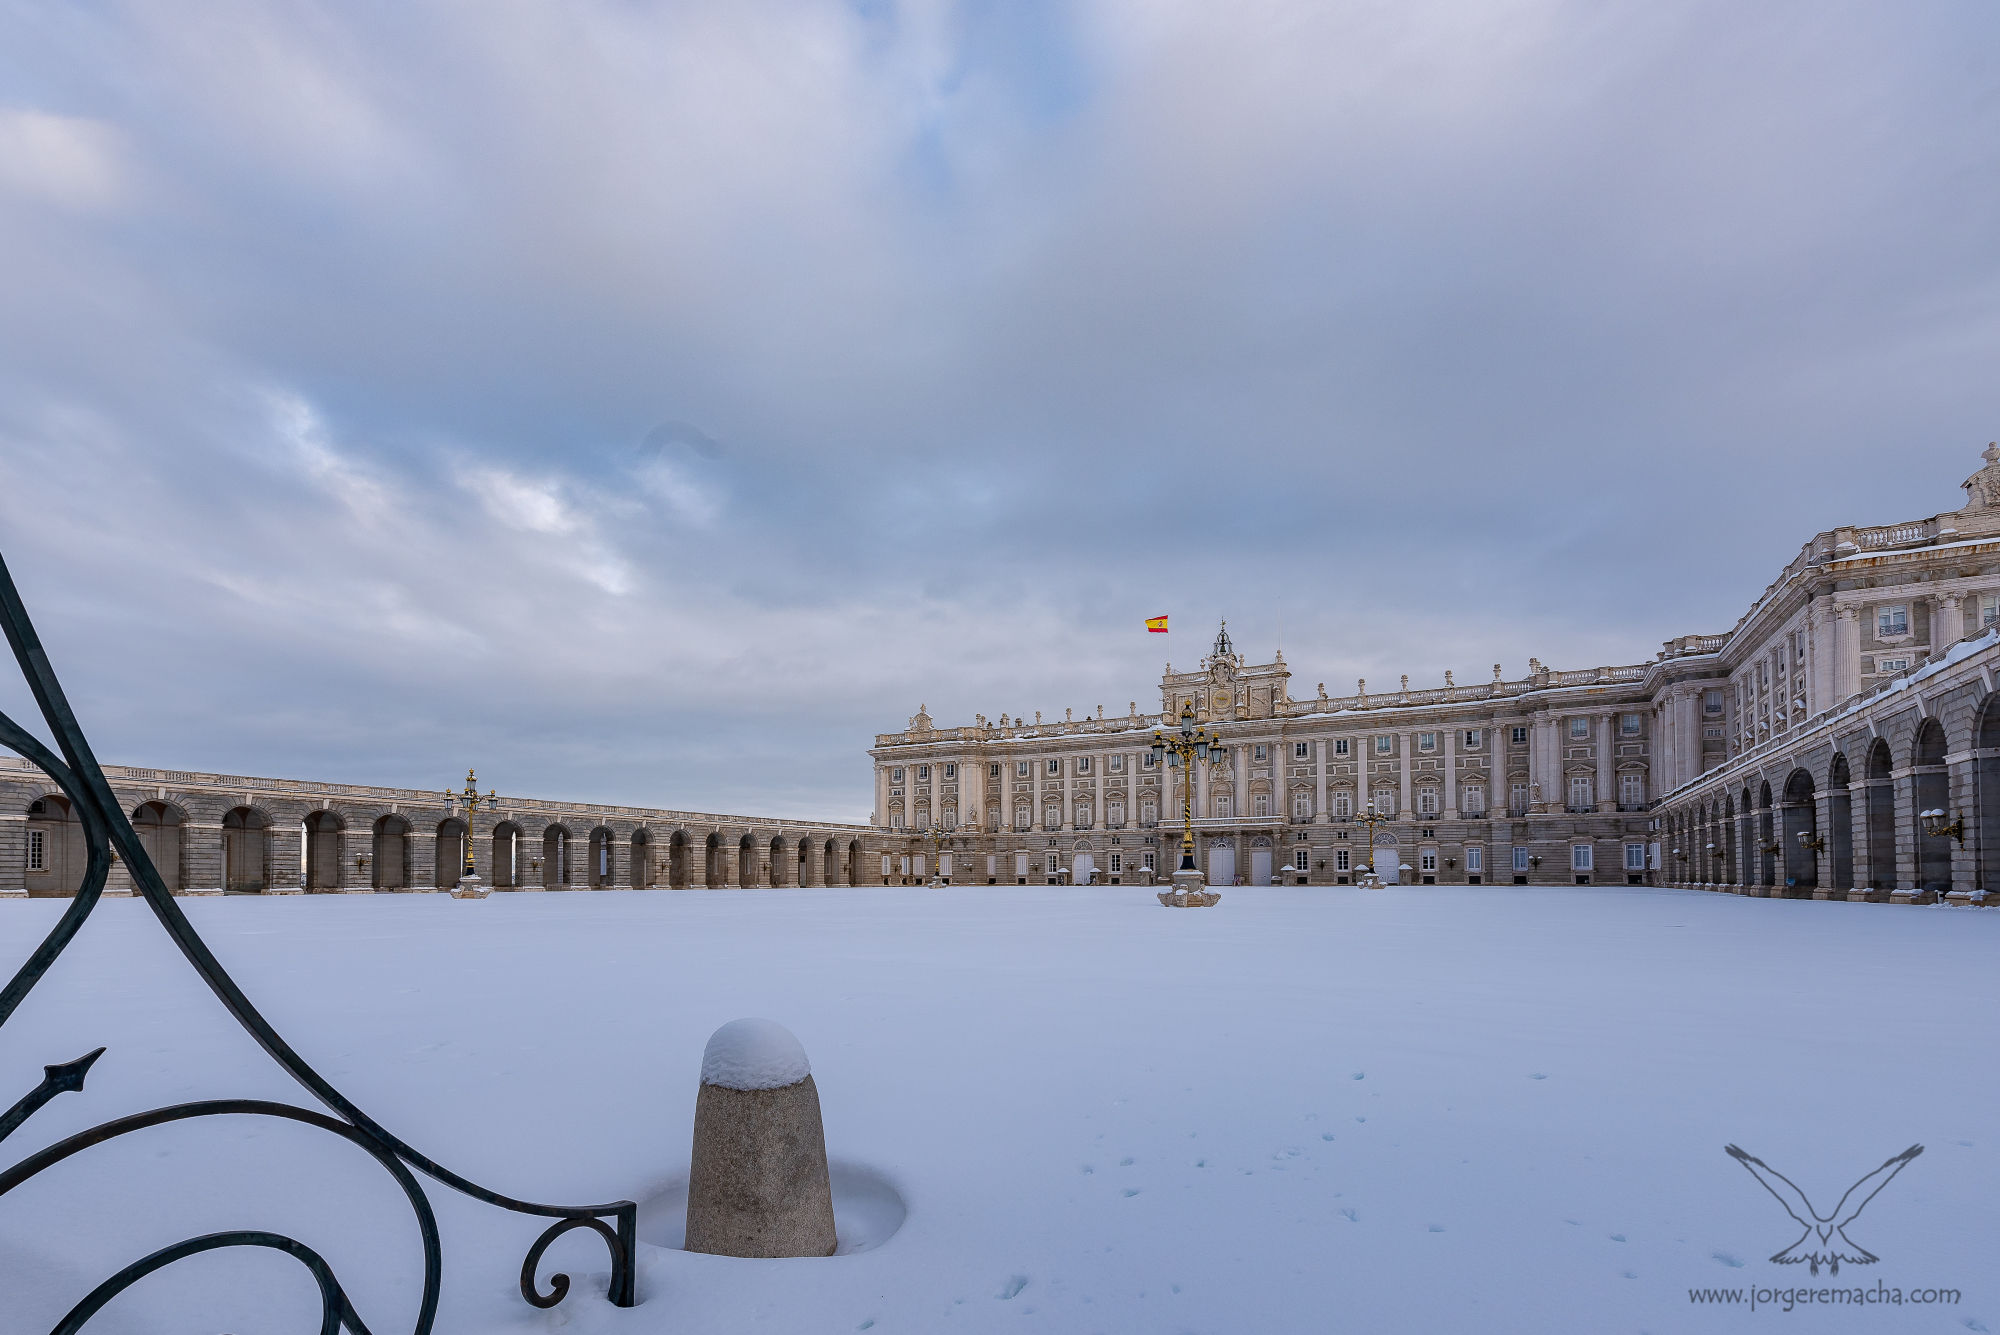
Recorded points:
(758,1183)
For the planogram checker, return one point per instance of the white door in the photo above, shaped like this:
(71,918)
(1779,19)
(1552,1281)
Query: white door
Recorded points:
(1388,864)
(1021,866)
(1222,866)
(923,865)
(1260,866)
(1081,867)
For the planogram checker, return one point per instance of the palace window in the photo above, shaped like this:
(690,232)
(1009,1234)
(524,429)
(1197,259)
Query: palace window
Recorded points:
(1579,728)
(1582,792)
(1989,611)
(1260,805)
(1892,664)
(1384,802)
(950,816)
(1114,813)
(1635,857)
(1148,813)
(1260,752)
(1082,816)
(1891,621)
(1427,741)
(1118,764)
(1475,859)
(1427,860)
(1224,808)
(1580,857)
(1520,859)
(38,850)
(1302,806)
(1051,817)
(1083,764)
(1146,859)
(1520,736)
(1385,745)
(1302,750)
(1145,760)
(1628,725)
(951,771)
(1473,737)
(1427,801)
(1517,799)
(1117,862)
(1022,818)
(993,770)
(923,773)
(1343,806)
(1340,859)
(1711,701)
(1340,747)
(885,866)
(1632,790)
(1021,769)
(1055,863)
(1055,767)
(896,774)
(895,820)
(1472,799)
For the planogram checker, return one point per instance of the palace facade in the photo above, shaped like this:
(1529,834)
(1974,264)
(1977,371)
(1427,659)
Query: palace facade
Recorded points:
(1796,753)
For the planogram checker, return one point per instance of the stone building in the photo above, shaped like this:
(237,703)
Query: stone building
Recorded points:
(217,833)
(1868,663)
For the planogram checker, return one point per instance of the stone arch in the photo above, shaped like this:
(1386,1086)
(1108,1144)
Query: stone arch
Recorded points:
(454,838)
(677,860)
(322,830)
(746,862)
(57,853)
(775,852)
(1839,832)
(601,864)
(1800,825)
(1985,822)
(712,873)
(854,862)
(1767,837)
(162,830)
(644,873)
(805,862)
(505,864)
(391,854)
(829,865)
(558,856)
(1930,790)
(246,851)
(1879,816)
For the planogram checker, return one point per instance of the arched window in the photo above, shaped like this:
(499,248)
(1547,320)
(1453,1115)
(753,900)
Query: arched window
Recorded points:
(1083,815)
(1302,806)
(1472,799)
(1149,814)
(1582,792)
(1023,817)
(1343,805)
(1224,807)
(1051,817)
(1260,805)
(1427,801)
(950,816)
(1385,801)
(1114,813)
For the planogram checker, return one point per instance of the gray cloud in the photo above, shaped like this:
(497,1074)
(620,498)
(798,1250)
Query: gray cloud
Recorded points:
(652,402)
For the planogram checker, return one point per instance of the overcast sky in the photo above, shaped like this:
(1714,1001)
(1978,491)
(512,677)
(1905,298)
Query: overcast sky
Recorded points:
(652,402)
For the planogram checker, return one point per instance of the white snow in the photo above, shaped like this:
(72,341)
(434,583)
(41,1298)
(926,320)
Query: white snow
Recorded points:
(754,1054)
(1429,1109)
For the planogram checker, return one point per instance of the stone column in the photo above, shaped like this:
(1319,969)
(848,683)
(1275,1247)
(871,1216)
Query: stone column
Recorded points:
(1239,759)
(1947,624)
(204,857)
(1320,812)
(1846,653)
(1822,809)
(622,877)
(882,796)
(1406,761)
(1905,781)
(1451,774)
(725,858)
(1007,794)
(1544,769)
(1607,766)
(1962,785)
(423,854)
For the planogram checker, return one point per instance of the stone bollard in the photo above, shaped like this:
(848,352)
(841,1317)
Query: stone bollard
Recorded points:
(758,1184)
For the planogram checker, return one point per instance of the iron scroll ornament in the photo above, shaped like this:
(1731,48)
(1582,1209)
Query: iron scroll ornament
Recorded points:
(76,772)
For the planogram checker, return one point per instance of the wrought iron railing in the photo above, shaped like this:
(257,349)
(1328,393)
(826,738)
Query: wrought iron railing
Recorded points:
(76,771)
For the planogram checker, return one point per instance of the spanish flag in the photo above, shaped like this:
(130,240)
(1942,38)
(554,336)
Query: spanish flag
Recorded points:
(1157,625)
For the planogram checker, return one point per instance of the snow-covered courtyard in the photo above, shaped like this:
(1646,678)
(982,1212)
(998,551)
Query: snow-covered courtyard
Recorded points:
(1422,1109)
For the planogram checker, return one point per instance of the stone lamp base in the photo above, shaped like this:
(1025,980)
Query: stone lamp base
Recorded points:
(1190,891)
(470,887)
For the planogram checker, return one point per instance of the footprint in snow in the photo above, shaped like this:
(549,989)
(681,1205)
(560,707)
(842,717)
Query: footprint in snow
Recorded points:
(1629,1274)
(1088,1170)
(1013,1286)
(1733,1262)
(1617,1237)
(869,1324)
(1130,1192)
(1326,1135)
(1348,1215)
(1437,1228)
(1361,1119)
(1361,1075)
(1201,1163)
(1126,1162)
(1536,1075)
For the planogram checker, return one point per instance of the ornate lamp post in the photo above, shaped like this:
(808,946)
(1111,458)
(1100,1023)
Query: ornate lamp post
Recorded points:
(1190,745)
(468,886)
(1371,818)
